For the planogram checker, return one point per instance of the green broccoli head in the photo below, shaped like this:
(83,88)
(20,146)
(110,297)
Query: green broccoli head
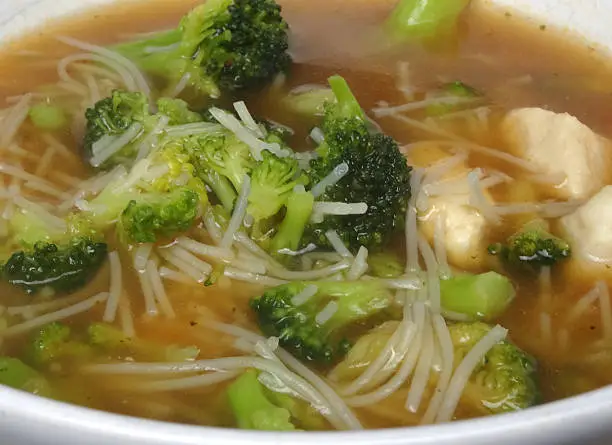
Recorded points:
(532,248)
(113,341)
(62,268)
(253,409)
(55,342)
(177,111)
(290,231)
(272,181)
(223,154)
(18,375)
(113,117)
(221,45)
(378,176)
(505,380)
(160,215)
(314,329)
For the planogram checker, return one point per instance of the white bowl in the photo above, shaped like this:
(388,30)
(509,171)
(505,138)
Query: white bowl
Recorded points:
(587,419)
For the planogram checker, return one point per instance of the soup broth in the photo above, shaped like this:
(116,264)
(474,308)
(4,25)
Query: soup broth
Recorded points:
(511,64)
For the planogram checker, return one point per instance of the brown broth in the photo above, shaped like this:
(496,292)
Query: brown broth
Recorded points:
(492,52)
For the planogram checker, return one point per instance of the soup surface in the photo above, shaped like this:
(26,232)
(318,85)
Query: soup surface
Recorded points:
(479,119)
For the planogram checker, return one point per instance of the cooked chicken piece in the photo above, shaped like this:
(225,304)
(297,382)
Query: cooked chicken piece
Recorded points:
(589,228)
(559,145)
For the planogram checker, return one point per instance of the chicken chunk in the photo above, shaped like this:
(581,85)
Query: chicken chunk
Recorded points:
(589,228)
(465,228)
(561,146)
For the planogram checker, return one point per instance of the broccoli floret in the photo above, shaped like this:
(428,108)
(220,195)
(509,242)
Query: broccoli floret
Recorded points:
(272,181)
(314,330)
(63,268)
(505,380)
(481,297)
(112,117)
(457,89)
(223,153)
(291,229)
(424,19)
(18,375)
(55,342)
(114,341)
(252,409)
(221,45)
(177,111)
(163,215)
(151,204)
(532,248)
(378,175)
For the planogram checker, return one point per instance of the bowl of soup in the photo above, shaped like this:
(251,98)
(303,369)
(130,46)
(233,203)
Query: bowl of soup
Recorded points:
(250,221)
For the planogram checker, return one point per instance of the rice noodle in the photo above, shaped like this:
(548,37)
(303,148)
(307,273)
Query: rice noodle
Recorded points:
(304,295)
(250,277)
(480,201)
(185,383)
(419,105)
(292,380)
(125,317)
(444,270)
(20,173)
(337,243)
(317,135)
(491,152)
(141,256)
(41,212)
(149,141)
(51,317)
(124,74)
(102,154)
(256,145)
(181,85)
(339,171)
(605,309)
(446,346)
(43,307)
(158,289)
(336,404)
(433,279)
(116,286)
(583,304)
(173,275)
(326,313)
(393,384)
(60,148)
(359,266)
(546,328)
(247,118)
(213,229)
(310,274)
(411,230)
(238,214)
(192,129)
(44,162)
(388,359)
(337,208)
(404,83)
(423,368)
(10,125)
(214,252)
(147,292)
(437,171)
(464,371)
(182,257)
(139,79)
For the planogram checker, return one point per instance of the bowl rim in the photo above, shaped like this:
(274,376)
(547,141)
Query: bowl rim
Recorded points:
(19,409)
(558,417)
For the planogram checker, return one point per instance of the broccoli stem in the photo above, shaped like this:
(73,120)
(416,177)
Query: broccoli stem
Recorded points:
(424,19)
(18,375)
(299,207)
(252,409)
(481,297)
(348,106)
(222,188)
(48,117)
